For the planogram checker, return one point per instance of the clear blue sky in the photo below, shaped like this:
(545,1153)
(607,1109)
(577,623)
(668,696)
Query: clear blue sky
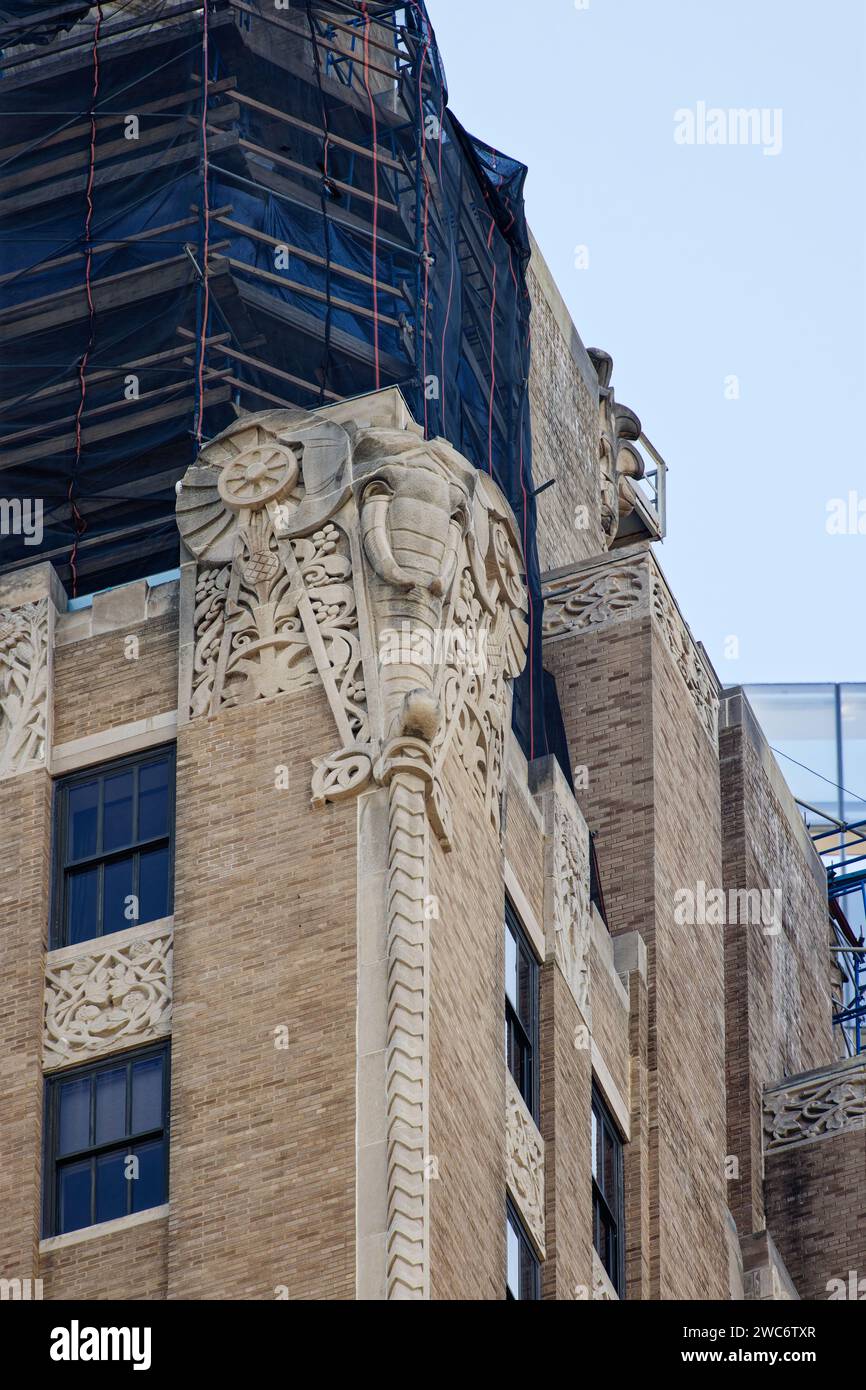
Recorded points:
(707,262)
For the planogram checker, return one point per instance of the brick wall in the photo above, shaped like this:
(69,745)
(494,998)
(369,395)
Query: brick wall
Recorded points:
(566,1081)
(98,687)
(653,800)
(126,1264)
(25,816)
(563,394)
(815,1210)
(777,983)
(263,1149)
(467,1064)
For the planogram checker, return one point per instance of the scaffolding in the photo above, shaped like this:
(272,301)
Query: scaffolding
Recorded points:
(842,847)
(242,205)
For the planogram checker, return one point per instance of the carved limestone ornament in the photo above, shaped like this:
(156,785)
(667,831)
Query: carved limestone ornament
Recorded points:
(524,1163)
(388,570)
(25,645)
(107,994)
(602,1288)
(618,430)
(577,603)
(571,900)
(826,1103)
(620,587)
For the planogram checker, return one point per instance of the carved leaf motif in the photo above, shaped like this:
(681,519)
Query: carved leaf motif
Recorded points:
(818,1108)
(24,650)
(525,1159)
(117,992)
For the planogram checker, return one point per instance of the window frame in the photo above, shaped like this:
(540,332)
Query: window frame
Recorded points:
(530,1037)
(53,1164)
(601,1205)
(512,1218)
(62,868)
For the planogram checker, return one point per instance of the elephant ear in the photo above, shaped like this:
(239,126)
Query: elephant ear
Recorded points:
(207,526)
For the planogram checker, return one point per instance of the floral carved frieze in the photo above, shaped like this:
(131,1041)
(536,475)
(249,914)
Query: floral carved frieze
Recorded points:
(817,1107)
(25,647)
(689,661)
(616,593)
(107,994)
(524,1163)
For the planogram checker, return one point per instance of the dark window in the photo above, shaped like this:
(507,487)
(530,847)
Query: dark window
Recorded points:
(521,1011)
(522,1279)
(114,834)
(97,1120)
(607,1193)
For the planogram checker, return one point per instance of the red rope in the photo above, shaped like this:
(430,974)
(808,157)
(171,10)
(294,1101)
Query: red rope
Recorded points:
(426,226)
(375,194)
(206,213)
(77,519)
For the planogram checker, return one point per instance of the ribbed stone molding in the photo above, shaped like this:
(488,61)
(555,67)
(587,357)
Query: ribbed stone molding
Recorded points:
(107,994)
(339,548)
(28,602)
(816,1105)
(619,587)
(524,1163)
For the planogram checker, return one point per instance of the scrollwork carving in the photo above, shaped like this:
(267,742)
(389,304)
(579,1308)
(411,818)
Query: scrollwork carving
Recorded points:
(825,1104)
(525,1163)
(106,994)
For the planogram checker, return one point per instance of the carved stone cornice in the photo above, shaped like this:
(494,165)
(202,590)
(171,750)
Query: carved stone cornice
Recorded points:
(25,686)
(355,555)
(107,994)
(621,587)
(817,1105)
(524,1163)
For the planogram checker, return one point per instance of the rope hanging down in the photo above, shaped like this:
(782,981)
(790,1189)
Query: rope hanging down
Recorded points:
(79,524)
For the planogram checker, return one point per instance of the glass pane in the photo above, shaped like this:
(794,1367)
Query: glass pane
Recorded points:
(527,1271)
(111,1187)
(148,1190)
(153,885)
(153,800)
(595,1146)
(74,1195)
(147,1095)
(117,897)
(609,1184)
(74,1106)
(513,1261)
(117,811)
(110,1105)
(853,706)
(82,893)
(525,979)
(799,721)
(511,967)
(83,815)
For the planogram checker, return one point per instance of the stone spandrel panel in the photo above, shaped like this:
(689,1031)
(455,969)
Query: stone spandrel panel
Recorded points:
(107,994)
(619,587)
(525,1164)
(567,909)
(816,1106)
